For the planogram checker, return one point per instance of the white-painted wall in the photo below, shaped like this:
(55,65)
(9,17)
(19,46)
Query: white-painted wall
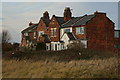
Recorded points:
(65,39)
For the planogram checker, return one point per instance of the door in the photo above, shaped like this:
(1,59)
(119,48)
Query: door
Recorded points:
(55,47)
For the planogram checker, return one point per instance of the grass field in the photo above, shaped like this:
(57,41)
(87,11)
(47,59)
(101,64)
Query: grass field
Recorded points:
(106,68)
(52,67)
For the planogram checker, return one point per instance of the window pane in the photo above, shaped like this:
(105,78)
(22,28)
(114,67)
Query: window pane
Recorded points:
(79,30)
(25,34)
(82,30)
(67,30)
(53,32)
(34,34)
(116,34)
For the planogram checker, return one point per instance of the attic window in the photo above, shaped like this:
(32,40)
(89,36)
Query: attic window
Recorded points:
(26,34)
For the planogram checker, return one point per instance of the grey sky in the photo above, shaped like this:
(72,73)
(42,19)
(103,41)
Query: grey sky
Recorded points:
(17,15)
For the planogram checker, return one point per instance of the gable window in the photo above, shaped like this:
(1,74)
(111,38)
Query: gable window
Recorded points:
(26,34)
(79,30)
(116,34)
(53,31)
(40,33)
(66,30)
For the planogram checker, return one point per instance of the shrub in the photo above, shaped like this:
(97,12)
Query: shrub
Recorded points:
(76,45)
(7,47)
(40,46)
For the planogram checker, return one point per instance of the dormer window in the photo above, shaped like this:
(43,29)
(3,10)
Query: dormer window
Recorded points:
(26,34)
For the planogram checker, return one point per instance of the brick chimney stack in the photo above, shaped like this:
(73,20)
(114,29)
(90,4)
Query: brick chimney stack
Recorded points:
(46,15)
(30,23)
(100,14)
(67,14)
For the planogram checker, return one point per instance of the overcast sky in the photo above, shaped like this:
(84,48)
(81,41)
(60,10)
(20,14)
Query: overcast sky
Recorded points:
(17,15)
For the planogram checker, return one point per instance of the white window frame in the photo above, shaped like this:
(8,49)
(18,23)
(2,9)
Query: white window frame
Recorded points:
(116,34)
(80,30)
(34,34)
(53,34)
(65,30)
(26,34)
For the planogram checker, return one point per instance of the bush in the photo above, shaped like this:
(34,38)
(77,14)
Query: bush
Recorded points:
(76,45)
(7,47)
(40,46)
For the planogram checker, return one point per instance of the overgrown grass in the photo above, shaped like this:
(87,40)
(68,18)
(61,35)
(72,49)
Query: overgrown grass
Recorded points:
(72,63)
(101,68)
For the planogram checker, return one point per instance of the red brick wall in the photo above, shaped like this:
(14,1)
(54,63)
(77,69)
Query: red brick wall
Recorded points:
(78,36)
(41,27)
(54,24)
(23,42)
(100,33)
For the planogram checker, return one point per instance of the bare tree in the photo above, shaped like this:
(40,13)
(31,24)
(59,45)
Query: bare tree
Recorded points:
(5,36)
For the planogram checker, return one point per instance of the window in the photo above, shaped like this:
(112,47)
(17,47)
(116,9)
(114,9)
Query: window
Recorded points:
(53,31)
(40,33)
(34,34)
(79,30)
(26,34)
(116,34)
(66,30)
(117,46)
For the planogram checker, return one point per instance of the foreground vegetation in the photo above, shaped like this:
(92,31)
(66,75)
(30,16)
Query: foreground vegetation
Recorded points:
(81,63)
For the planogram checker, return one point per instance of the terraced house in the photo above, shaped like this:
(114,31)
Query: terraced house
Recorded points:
(93,31)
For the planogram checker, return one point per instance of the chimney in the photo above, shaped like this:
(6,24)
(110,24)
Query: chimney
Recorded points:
(46,15)
(67,14)
(30,23)
(99,13)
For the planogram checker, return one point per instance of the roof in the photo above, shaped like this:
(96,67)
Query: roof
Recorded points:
(83,20)
(46,38)
(59,19)
(76,21)
(70,36)
(31,28)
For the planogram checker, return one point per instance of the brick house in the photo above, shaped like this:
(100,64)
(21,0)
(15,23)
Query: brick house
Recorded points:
(94,31)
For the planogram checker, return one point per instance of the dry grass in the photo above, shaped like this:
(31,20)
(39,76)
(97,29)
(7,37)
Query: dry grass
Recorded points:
(93,68)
